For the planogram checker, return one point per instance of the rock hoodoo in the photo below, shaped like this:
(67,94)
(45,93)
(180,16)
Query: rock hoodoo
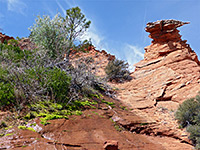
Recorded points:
(170,71)
(165,30)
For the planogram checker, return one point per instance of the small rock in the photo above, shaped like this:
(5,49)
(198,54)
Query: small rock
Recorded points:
(110,145)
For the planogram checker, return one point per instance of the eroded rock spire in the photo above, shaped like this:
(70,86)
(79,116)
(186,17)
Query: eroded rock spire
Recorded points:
(165,30)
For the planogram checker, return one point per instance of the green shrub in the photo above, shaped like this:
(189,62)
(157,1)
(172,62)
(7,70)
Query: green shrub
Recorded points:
(83,46)
(188,112)
(6,94)
(194,136)
(48,34)
(188,115)
(6,89)
(11,51)
(57,35)
(117,70)
(58,83)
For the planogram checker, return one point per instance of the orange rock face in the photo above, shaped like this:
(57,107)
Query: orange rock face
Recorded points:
(170,71)
(168,75)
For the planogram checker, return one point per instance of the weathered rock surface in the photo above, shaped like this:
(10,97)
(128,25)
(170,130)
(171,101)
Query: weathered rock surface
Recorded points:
(170,71)
(98,59)
(4,37)
(168,75)
(87,132)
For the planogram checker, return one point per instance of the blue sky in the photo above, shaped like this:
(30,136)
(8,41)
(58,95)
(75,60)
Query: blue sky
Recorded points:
(117,25)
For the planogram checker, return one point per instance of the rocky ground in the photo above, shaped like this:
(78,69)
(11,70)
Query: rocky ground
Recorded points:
(90,131)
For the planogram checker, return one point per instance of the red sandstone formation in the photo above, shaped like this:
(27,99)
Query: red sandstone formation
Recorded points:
(4,37)
(101,59)
(170,71)
(168,75)
(165,30)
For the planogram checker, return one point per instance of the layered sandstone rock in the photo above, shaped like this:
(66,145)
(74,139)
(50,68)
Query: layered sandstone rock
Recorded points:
(170,71)
(168,75)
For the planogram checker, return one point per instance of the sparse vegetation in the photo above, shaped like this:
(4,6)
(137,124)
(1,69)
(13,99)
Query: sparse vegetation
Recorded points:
(117,70)
(188,115)
(38,83)
(26,128)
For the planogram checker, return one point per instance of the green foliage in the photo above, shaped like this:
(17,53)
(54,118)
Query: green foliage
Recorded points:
(188,115)
(13,42)
(117,70)
(3,124)
(22,127)
(6,89)
(9,134)
(26,128)
(58,34)
(52,82)
(108,103)
(188,112)
(83,46)
(48,110)
(11,51)
(58,82)
(76,23)
(8,127)
(194,131)
(50,34)
(6,94)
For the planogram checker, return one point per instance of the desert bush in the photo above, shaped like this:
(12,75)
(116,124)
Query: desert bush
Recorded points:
(84,83)
(194,136)
(57,83)
(83,46)
(6,89)
(37,77)
(188,112)
(11,52)
(117,70)
(57,35)
(188,115)
(50,35)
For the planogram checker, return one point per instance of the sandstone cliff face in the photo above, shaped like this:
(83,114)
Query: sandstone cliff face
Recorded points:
(170,71)
(168,75)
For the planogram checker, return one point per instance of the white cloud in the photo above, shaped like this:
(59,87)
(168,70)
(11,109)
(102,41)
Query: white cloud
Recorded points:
(61,7)
(16,6)
(93,34)
(133,54)
(70,4)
